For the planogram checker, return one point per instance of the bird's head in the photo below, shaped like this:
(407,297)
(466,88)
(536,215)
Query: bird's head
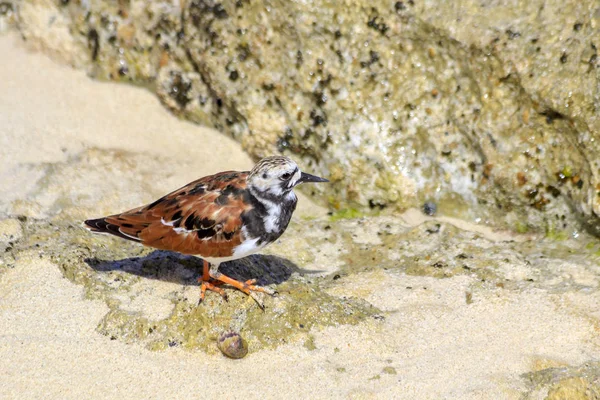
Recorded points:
(276,176)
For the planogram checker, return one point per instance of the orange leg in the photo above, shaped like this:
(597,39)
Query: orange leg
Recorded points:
(204,286)
(207,283)
(245,287)
(205,271)
(212,278)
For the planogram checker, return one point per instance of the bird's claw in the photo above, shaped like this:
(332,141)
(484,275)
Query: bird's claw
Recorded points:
(257,300)
(213,286)
(249,287)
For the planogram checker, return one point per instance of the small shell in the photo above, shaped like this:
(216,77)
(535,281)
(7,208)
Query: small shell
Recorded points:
(232,345)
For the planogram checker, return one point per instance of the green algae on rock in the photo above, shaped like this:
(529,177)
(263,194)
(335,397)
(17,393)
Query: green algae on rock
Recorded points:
(10,234)
(441,250)
(569,382)
(397,105)
(153,295)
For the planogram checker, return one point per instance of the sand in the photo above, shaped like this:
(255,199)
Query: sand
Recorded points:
(433,344)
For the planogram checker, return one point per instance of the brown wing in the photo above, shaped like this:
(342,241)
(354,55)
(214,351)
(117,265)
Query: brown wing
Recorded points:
(203,217)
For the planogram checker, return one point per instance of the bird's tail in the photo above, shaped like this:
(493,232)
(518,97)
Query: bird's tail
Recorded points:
(103,226)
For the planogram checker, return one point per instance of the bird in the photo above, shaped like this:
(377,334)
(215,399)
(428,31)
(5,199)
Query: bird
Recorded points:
(221,217)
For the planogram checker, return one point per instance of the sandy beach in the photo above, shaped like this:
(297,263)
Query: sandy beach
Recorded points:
(114,147)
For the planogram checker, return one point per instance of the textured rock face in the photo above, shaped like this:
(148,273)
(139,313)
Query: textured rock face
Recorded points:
(550,45)
(550,48)
(493,117)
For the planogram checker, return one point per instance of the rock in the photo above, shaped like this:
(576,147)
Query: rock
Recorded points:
(554,55)
(8,15)
(429,208)
(10,234)
(574,388)
(152,296)
(578,382)
(10,231)
(395,104)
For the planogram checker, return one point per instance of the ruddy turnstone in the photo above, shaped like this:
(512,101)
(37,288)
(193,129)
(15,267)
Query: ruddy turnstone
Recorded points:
(220,217)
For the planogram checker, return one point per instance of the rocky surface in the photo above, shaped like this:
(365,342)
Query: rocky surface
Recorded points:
(487,108)
(152,296)
(549,45)
(580,382)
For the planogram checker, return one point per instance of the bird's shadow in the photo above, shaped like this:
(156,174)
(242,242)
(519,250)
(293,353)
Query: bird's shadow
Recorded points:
(183,269)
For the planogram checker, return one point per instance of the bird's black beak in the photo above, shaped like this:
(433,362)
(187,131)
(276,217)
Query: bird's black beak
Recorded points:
(304,177)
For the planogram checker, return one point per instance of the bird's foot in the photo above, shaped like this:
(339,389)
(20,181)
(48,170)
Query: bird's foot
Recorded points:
(212,285)
(252,289)
(250,285)
(247,287)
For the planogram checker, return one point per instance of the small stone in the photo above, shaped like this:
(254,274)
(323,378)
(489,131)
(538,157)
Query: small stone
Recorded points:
(232,345)
(429,208)
(434,229)
(563,58)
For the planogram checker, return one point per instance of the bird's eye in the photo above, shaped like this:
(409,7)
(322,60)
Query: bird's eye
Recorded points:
(286,176)
(264,176)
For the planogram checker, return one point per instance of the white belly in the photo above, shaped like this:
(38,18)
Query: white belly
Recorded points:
(246,248)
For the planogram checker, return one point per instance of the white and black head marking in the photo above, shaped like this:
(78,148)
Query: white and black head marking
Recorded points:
(271,183)
(275,177)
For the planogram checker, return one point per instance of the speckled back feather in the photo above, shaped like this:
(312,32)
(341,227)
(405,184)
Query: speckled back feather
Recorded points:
(203,217)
